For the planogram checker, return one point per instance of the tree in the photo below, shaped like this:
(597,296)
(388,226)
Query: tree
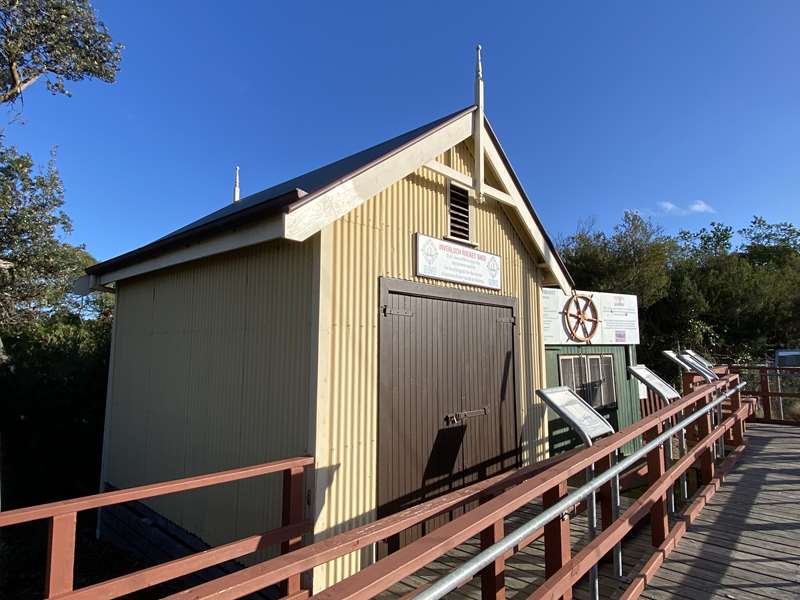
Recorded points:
(698,290)
(632,260)
(32,225)
(59,40)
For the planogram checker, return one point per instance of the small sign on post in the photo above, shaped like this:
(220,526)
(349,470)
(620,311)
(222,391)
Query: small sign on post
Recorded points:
(654,383)
(584,419)
(590,425)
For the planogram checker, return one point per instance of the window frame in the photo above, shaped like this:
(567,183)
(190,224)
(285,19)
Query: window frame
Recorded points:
(577,385)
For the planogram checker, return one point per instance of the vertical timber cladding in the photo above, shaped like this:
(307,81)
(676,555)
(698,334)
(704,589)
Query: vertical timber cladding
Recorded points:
(447,412)
(377,239)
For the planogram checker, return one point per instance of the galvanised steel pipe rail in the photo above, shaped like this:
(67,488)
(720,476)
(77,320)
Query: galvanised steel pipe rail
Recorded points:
(465,572)
(529,483)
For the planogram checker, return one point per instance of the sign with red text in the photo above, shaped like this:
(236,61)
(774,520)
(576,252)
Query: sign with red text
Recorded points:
(448,261)
(614,316)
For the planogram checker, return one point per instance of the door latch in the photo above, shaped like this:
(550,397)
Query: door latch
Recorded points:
(459,417)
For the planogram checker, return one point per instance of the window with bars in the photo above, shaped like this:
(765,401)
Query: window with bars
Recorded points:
(459,213)
(590,375)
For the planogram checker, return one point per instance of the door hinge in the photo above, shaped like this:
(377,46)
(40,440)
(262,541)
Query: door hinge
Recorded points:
(400,312)
(512,320)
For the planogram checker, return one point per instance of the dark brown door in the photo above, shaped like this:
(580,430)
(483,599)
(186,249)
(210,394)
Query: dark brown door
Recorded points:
(447,410)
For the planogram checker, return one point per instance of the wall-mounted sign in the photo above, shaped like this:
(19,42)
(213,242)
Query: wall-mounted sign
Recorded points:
(440,259)
(589,317)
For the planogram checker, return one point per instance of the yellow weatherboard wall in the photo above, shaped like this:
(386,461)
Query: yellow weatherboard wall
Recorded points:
(374,240)
(211,370)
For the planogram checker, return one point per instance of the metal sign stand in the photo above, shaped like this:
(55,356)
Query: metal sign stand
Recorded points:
(699,357)
(708,374)
(668,394)
(589,425)
(673,356)
(688,363)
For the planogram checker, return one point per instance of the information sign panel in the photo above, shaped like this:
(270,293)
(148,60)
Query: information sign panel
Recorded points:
(654,382)
(700,358)
(576,412)
(698,367)
(611,318)
(676,359)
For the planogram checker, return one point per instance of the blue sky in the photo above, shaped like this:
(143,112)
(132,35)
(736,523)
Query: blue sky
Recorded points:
(687,112)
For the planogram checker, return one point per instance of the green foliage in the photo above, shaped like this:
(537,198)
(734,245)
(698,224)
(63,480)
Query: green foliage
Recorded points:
(634,257)
(52,407)
(60,40)
(55,346)
(40,265)
(698,289)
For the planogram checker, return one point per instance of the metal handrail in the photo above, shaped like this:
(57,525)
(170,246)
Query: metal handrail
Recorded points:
(465,572)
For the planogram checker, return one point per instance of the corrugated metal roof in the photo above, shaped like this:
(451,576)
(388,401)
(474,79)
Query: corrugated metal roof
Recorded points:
(278,198)
(324,177)
(295,192)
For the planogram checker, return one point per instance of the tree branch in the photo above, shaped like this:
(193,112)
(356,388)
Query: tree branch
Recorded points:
(19,84)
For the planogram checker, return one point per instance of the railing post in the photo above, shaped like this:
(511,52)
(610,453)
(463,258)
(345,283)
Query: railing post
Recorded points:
(604,494)
(737,431)
(292,513)
(687,381)
(764,392)
(609,508)
(706,457)
(60,555)
(556,535)
(659,520)
(493,582)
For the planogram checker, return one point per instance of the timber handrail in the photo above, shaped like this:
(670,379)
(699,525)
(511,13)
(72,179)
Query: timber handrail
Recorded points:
(486,520)
(765,394)
(464,572)
(62,518)
(142,492)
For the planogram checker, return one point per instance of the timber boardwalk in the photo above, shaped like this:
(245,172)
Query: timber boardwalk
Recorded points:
(738,540)
(746,542)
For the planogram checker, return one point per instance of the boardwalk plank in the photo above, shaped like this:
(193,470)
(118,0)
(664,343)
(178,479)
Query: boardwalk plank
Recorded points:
(744,544)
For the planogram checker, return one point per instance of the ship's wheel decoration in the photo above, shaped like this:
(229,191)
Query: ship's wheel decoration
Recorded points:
(581,317)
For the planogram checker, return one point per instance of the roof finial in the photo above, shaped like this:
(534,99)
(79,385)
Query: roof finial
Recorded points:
(477,128)
(236,185)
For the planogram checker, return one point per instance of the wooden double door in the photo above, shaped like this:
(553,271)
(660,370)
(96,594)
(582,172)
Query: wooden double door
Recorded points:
(447,414)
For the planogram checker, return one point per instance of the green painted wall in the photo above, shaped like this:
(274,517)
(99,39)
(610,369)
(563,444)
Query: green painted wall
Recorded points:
(627,408)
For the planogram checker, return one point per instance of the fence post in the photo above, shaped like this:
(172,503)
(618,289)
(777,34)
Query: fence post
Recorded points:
(60,555)
(556,535)
(659,519)
(493,582)
(706,458)
(292,513)
(764,393)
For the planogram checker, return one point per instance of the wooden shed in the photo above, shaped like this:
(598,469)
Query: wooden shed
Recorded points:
(382,313)
(590,341)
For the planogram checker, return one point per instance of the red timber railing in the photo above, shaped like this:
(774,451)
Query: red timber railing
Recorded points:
(502,495)
(62,517)
(777,390)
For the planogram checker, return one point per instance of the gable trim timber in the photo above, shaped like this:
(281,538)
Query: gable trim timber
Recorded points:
(525,211)
(325,208)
